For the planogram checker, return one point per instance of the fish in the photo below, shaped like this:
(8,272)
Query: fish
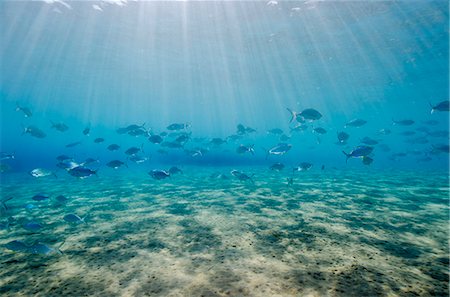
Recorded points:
(4,167)
(359,152)
(73,218)
(178,126)
(63,158)
(137,159)
(298,128)
(25,110)
(343,137)
(284,137)
(279,150)
(82,172)
(40,172)
(439,133)
(61,199)
(172,144)
(16,246)
(441,148)
(159,174)
(431,122)
(174,170)
(304,166)
(115,164)
(133,150)
(61,127)
(441,106)
(113,147)
(32,226)
(290,181)
(86,131)
(242,130)
(369,141)
(319,130)
(156,139)
(218,141)
(34,131)
(275,131)
(367,160)
(242,176)
(138,132)
(277,167)
(243,149)
(385,131)
(3,203)
(6,156)
(90,161)
(355,123)
(310,114)
(73,144)
(402,122)
(42,249)
(67,164)
(40,197)
(183,138)
(99,140)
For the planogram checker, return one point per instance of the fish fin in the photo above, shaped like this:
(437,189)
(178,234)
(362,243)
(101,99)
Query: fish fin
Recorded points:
(347,155)
(293,114)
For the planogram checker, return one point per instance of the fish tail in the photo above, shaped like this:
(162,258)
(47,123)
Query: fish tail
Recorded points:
(58,249)
(432,107)
(267,152)
(347,155)
(293,114)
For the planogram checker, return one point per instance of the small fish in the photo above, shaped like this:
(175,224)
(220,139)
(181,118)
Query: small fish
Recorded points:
(26,111)
(320,130)
(61,127)
(310,114)
(367,160)
(431,122)
(441,106)
(356,123)
(99,140)
(63,158)
(277,167)
(279,149)
(81,172)
(40,172)
(133,150)
(138,132)
(242,176)
(42,249)
(304,166)
(369,141)
(16,246)
(233,137)
(113,147)
(275,131)
(73,218)
(359,152)
(67,164)
(73,144)
(174,170)
(385,131)
(137,159)
(403,122)
(343,137)
(6,156)
(34,131)
(290,181)
(218,141)
(242,130)
(61,199)
(156,139)
(86,131)
(178,126)
(32,226)
(243,149)
(159,174)
(441,148)
(40,197)
(115,164)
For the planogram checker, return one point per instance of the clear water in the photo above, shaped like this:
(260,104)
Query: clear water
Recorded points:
(340,229)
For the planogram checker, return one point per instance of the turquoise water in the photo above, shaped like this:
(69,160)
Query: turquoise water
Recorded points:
(263,205)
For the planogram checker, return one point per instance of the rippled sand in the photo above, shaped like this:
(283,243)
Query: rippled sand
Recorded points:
(330,234)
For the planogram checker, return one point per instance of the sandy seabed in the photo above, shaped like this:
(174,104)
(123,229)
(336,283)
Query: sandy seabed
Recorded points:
(332,233)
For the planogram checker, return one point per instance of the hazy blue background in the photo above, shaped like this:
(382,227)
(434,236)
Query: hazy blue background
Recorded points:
(215,65)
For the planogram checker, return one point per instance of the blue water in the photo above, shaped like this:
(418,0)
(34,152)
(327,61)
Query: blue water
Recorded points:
(340,228)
